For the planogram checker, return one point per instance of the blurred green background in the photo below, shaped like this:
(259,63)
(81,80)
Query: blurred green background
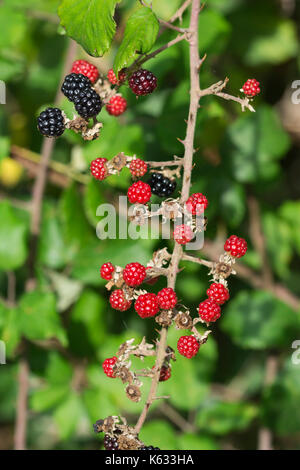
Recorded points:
(248,165)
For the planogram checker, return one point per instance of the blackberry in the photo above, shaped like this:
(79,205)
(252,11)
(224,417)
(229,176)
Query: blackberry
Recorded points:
(110,443)
(149,448)
(142,82)
(51,122)
(74,84)
(161,185)
(88,103)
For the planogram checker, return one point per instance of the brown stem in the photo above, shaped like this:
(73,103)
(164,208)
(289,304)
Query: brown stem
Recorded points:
(160,49)
(187,165)
(36,210)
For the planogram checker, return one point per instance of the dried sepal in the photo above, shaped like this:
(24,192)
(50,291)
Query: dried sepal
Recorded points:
(118,162)
(128,442)
(98,426)
(133,392)
(109,424)
(171,209)
(165,318)
(183,321)
(122,372)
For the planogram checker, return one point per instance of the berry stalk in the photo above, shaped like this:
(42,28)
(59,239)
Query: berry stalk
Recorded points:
(187,166)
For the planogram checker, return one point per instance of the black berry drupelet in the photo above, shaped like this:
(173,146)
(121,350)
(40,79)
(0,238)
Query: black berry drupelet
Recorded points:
(88,103)
(74,84)
(110,443)
(142,82)
(161,185)
(51,122)
(149,448)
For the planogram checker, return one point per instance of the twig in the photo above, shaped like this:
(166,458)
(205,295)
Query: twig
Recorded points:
(153,54)
(176,418)
(216,90)
(11,287)
(36,209)
(265,437)
(188,165)
(193,259)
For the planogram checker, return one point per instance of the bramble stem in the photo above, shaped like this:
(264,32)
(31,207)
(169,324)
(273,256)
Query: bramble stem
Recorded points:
(187,166)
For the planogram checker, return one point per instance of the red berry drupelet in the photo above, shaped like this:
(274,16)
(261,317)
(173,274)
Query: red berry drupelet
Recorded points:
(236,246)
(142,82)
(139,192)
(98,168)
(196,204)
(138,167)
(134,274)
(209,311)
(183,234)
(251,87)
(116,106)
(188,346)
(118,300)
(167,299)
(146,305)
(106,271)
(218,293)
(108,366)
(113,79)
(87,69)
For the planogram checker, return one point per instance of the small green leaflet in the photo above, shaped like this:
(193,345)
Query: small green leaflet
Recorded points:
(140,35)
(90,23)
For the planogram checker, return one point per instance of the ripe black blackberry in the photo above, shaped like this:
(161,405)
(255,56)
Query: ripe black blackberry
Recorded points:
(142,82)
(51,122)
(161,185)
(110,443)
(149,448)
(88,103)
(74,84)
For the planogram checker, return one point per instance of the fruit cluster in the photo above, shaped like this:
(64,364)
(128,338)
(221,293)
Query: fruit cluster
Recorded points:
(81,87)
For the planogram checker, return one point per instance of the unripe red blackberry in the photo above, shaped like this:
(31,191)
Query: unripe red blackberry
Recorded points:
(118,300)
(165,373)
(113,79)
(167,298)
(108,366)
(218,293)
(134,274)
(142,82)
(116,106)
(106,271)
(139,192)
(251,87)
(209,311)
(146,305)
(188,346)
(183,234)
(236,246)
(138,167)
(88,103)
(110,443)
(196,204)
(85,68)
(98,168)
(51,122)
(74,84)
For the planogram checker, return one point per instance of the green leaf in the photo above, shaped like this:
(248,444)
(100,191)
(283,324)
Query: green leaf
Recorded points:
(52,249)
(281,401)
(38,319)
(48,397)
(140,35)
(67,290)
(93,197)
(86,329)
(10,334)
(90,23)
(253,145)
(257,320)
(214,32)
(68,415)
(223,417)
(196,442)
(289,212)
(158,434)
(13,231)
(278,235)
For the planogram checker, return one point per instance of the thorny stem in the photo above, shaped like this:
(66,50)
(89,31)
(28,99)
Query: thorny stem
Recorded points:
(187,165)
